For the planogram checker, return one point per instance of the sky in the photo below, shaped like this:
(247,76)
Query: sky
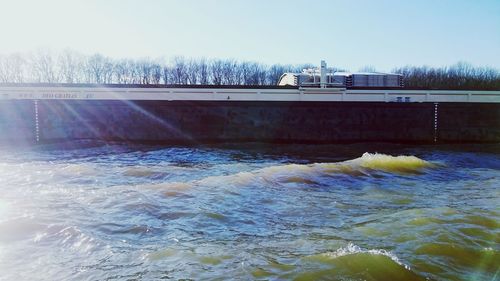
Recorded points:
(347,34)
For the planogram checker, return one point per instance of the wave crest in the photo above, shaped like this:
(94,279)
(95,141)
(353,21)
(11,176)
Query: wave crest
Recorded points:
(352,249)
(388,163)
(354,263)
(365,165)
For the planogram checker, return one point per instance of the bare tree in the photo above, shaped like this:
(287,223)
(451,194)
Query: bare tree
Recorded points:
(122,71)
(167,75)
(70,66)
(203,68)
(44,66)
(12,68)
(144,68)
(94,69)
(228,72)
(108,71)
(193,70)
(179,68)
(251,73)
(216,71)
(156,73)
(238,73)
(261,73)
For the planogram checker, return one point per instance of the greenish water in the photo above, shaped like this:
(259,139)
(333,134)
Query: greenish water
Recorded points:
(253,212)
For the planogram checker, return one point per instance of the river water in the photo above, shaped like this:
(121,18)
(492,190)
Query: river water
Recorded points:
(252,212)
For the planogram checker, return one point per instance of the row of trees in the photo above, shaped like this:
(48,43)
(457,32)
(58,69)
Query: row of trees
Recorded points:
(72,67)
(459,76)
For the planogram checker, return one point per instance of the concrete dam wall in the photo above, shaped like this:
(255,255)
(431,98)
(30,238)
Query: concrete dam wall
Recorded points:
(48,113)
(31,121)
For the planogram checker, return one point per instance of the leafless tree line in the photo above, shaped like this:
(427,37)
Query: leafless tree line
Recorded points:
(45,66)
(459,76)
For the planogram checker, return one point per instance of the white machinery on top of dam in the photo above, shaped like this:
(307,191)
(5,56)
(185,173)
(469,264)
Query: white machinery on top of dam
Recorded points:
(325,78)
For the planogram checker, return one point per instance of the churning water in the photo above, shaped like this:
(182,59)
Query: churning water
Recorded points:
(346,212)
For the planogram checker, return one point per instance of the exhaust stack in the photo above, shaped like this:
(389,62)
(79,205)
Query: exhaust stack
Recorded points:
(322,81)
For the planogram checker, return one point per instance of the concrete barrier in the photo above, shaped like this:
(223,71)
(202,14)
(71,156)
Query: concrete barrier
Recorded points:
(163,115)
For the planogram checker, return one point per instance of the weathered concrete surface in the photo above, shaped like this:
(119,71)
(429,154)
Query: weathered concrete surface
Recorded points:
(242,121)
(17,122)
(184,121)
(462,122)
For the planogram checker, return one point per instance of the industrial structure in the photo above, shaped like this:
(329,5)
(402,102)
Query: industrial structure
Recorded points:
(324,78)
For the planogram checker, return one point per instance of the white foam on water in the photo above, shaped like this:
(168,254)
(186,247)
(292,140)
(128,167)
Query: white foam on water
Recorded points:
(352,249)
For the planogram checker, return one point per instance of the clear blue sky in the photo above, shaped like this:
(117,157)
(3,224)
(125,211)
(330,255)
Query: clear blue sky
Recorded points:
(348,34)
